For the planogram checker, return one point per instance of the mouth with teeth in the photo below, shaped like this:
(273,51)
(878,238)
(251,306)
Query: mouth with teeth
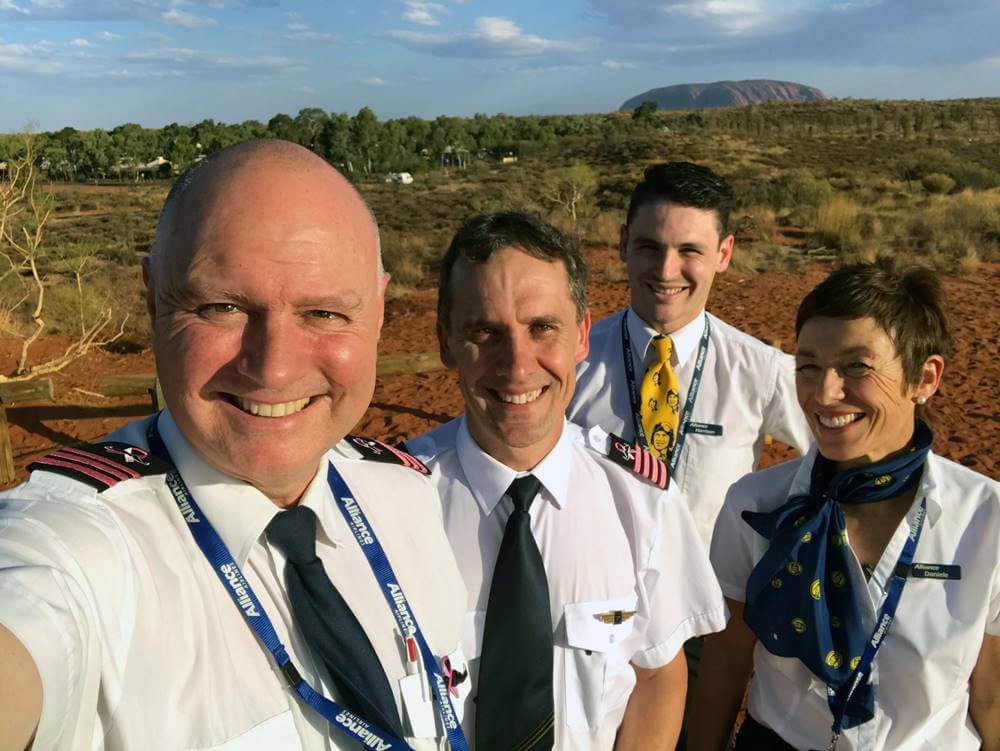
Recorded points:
(526,397)
(265,409)
(839,421)
(661,291)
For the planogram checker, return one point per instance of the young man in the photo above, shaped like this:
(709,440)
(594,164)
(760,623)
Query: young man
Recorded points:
(171,586)
(584,577)
(669,375)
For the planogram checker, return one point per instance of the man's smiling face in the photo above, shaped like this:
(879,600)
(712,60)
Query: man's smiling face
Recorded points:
(266,308)
(672,253)
(515,340)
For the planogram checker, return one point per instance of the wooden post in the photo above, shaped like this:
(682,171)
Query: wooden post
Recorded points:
(156,396)
(7,475)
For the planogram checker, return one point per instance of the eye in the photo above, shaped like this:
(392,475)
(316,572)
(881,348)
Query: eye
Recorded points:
(481,335)
(543,327)
(218,310)
(856,370)
(806,369)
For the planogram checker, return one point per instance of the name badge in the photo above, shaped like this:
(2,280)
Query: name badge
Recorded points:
(935,571)
(704,428)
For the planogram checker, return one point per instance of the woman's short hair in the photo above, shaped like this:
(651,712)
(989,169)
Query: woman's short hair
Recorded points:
(482,235)
(906,300)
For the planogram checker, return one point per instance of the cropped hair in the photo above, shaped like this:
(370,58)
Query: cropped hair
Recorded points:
(685,184)
(905,300)
(482,235)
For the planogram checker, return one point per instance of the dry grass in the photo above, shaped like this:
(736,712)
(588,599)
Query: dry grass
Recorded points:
(838,223)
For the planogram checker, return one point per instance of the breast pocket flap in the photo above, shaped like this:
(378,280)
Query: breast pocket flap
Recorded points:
(599,625)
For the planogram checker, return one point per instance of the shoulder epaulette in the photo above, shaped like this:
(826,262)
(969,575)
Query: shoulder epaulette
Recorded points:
(101,465)
(377,451)
(638,460)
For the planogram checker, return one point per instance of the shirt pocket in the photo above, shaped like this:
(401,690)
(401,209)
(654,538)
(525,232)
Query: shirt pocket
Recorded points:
(597,675)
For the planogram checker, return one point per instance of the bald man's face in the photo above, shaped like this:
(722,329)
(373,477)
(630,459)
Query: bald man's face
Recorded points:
(267,309)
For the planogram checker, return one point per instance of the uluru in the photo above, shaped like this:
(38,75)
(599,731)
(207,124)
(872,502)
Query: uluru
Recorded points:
(687,96)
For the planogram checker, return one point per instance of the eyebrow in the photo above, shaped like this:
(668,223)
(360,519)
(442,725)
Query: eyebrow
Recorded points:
(860,350)
(348,300)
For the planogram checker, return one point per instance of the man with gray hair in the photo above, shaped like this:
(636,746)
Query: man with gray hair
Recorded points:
(232,572)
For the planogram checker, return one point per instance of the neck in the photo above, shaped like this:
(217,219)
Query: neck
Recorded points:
(666,329)
(518,458)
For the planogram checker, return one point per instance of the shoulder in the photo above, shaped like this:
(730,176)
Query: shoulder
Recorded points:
(358,448)
(958,484)
(765,489)
(433,443)
(728,338)
(617,456)
(102,465)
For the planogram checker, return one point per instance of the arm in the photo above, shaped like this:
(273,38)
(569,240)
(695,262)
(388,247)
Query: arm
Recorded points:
(20,693)
(656,707)
(984,693)
(722,682)
(783,417)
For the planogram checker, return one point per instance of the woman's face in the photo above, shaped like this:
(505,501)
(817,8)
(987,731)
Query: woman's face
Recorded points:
(850,384)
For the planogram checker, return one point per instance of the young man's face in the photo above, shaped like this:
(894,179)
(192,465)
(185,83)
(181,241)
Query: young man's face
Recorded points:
(673,254)
(515,339)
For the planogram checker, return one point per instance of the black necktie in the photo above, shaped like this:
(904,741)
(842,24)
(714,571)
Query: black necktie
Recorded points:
(333,634)
(514,709)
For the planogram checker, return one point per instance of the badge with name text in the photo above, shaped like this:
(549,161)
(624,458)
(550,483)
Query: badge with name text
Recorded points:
(704,428)
(935,571)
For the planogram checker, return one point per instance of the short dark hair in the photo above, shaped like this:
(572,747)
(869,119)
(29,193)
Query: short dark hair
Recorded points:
(686,184)
(480,236)
(906,300)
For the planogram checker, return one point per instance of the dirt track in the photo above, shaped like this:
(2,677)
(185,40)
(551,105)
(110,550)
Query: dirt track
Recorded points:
(764,305)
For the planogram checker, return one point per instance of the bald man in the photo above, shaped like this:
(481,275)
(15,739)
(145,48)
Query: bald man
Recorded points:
(237,572)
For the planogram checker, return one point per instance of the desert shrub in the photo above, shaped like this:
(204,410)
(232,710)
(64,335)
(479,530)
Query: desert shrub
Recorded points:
(405,258)
(975,176)
(759,258)
(760,222)
(798,188)
(916,165)
(838,223)
(604,228)
(937,183)
(951,225)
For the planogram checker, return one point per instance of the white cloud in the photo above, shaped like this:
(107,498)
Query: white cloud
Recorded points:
(184,19)
(79,42)
(490,36)
(184,60)
(618,65)
(374,81)
(109,36)
(301,32)
(9,5)
(30,58)
(733,16)
(422,12)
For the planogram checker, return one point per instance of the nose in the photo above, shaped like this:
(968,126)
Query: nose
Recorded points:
(516,356)
(830,387)
(269,352)
(670,265)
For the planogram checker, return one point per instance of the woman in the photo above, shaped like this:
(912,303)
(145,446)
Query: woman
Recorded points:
(863,579)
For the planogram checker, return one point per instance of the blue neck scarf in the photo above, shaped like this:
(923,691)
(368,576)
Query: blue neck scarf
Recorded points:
(800,597)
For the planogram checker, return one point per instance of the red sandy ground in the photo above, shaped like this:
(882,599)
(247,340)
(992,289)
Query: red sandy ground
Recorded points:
(406,405)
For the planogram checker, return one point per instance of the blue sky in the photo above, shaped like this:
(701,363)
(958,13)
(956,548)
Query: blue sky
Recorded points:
(100,63)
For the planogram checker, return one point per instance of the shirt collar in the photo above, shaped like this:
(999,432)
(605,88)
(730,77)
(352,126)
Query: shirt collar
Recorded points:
(928,487)
(237,510)
(685,339)
(493,478)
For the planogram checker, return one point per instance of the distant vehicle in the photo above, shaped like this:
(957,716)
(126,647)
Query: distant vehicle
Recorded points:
(401,178)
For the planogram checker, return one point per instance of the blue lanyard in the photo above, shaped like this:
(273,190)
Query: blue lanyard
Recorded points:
(243,596)
(635,399)
(883,621)
(364,533)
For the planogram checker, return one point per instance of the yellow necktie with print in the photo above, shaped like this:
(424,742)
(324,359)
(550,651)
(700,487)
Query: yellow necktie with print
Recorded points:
(660,394)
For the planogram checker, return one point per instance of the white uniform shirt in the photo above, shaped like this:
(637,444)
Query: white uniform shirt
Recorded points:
(747,387)
(609,541)
(138,644)
(922,669)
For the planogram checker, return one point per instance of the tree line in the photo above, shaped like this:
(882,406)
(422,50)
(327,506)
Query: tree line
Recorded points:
(363,146)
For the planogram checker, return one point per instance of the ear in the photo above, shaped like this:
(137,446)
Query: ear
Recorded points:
(930,378)
(147,280)
(623,242)
(583,345)
(444,348)
(726,252)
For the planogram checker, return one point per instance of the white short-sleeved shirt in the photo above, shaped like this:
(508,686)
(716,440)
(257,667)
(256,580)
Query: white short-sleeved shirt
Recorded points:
(923,667)
(748,388)
(137,642)
(609,541)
